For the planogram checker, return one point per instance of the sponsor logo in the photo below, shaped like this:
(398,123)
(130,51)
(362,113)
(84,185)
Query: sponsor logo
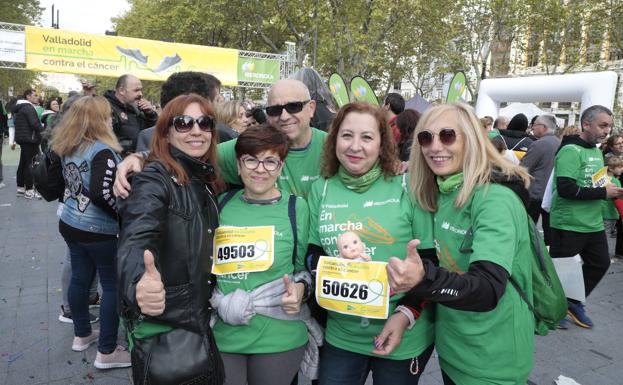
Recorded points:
(309,178)
(382,203)
(447,226)
(338,206)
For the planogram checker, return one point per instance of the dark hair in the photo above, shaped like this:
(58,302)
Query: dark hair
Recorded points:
(388,157)
(406,122)
(258,114)
(263,137)
(606,148)
(189,82)
(589,114)
(27,93)
(122,81)
(160,144)
(48,104)
(396,102)
(519,122)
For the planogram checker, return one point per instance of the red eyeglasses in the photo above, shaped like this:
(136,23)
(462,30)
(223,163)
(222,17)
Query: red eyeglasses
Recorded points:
(447,137)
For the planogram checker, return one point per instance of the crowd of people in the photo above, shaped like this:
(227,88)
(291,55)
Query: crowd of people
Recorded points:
(199,225)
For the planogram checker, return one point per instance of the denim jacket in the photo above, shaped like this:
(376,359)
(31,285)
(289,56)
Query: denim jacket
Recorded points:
(79,212)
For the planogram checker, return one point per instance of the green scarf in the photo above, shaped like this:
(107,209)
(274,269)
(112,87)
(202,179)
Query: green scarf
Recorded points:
(449,184)
(360,184)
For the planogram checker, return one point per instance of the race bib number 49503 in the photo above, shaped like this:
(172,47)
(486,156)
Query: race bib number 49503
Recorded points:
(352,287)
(243,249)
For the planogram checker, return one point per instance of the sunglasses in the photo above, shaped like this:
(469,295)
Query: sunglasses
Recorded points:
(292,108)
(252,163)
(447,136)
(185,123)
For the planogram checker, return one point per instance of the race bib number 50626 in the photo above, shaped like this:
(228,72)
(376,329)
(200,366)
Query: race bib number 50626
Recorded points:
(243,249)
(351,287)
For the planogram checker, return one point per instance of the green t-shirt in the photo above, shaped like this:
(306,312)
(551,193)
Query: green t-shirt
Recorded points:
(264,334)
(493,347)
(580,164)
(300,169)
(386,220)
(609,210)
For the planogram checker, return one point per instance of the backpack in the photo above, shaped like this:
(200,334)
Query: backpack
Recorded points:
(550,302)
(291,214)
(39,171)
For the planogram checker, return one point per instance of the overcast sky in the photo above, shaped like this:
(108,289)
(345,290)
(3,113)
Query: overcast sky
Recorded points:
(92,16)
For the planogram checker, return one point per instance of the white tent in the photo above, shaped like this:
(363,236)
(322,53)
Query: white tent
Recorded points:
(528,109)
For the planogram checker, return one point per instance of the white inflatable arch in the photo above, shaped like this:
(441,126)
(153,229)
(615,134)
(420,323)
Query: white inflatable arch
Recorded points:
(589,88)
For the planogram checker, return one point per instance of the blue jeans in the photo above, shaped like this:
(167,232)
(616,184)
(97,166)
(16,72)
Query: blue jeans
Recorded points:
(341,367)
(85,259)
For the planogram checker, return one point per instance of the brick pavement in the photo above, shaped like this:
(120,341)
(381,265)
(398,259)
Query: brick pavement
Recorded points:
(35,346)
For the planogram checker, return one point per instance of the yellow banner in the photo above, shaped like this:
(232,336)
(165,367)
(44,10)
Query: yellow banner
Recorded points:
(355,288)
(243,249)
(54,50)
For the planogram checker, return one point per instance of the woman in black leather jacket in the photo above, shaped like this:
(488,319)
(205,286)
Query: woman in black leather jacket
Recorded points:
(165,250)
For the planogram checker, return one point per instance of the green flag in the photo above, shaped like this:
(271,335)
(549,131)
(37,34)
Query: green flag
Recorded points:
(457,88)
(362,91)
(258,70)
(338,89)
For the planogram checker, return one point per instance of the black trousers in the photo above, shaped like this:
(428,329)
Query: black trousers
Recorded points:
(535,210)
(26,153)
(592,247)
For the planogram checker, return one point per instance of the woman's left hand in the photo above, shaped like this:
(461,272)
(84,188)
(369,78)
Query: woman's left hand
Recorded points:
(391,335)
(293,297)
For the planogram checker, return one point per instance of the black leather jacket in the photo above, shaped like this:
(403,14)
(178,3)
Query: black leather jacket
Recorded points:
(176,223)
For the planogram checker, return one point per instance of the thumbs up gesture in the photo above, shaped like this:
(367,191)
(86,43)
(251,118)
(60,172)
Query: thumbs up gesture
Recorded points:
(292,297)
(405,274)
(150,294)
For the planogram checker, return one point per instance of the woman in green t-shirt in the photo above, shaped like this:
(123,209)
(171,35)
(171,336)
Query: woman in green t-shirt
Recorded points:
(484,331)
(261,331)
(360,192)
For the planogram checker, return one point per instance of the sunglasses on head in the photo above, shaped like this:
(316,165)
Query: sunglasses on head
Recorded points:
(447,136)
(292,108)
(185,123)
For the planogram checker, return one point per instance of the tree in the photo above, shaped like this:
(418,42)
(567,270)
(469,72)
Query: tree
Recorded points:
(18,12)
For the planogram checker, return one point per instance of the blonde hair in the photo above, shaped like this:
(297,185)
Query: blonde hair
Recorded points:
(480,158)
(86,122)
(569,130)
(227,112)
(614,162)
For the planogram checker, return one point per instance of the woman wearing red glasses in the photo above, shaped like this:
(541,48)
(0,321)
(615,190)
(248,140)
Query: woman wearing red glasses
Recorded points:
(261,279)
(165,247)
(360,192)
(484,331)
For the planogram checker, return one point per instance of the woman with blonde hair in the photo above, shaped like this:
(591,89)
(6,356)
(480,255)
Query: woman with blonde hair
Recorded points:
(89,152)
(232,118)
(484,331)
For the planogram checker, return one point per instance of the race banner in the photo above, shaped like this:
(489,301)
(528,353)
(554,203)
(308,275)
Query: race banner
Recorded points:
(355,288)
(338,89)
(54,50)
(362,91)
(601,178)
(12,47)
(457,88)
(258,70)
(243,249)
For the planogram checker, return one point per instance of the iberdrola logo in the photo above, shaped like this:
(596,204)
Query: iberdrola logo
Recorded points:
(335,87)
(459,87)
(360,92)
(248,66)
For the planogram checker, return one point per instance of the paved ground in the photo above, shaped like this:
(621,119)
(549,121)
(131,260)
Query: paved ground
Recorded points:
(35,347)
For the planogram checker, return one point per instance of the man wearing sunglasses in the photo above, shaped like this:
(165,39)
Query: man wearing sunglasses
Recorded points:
(290,109)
